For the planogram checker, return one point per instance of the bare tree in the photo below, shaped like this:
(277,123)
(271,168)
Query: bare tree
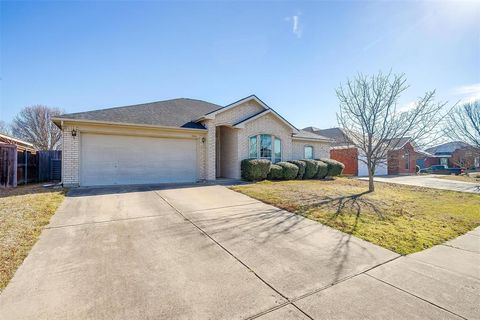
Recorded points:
(33,124)
(464,123)
(370,118)
(4,127)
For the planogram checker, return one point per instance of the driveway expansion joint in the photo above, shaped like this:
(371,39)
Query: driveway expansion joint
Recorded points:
(287,300)
(100,222)
(418,297)
(458,248)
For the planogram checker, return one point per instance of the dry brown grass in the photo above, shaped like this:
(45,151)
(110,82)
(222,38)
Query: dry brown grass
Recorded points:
(23,213)
(401,218)
(475,178)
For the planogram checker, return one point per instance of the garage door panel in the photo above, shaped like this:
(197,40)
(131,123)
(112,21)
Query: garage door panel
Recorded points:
(112,159)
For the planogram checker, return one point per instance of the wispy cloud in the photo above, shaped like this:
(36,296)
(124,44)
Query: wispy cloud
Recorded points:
(468,93)
(296,25)
(407,107)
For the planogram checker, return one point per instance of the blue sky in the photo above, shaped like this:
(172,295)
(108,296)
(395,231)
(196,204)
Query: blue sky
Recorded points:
(83,56)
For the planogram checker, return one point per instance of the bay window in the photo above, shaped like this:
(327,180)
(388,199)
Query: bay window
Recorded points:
(265,146)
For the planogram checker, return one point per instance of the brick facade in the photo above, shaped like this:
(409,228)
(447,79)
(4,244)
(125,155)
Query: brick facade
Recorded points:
(398,160)
(347,156)
(70,156)
(206,145)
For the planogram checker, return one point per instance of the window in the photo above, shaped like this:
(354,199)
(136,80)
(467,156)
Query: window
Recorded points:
(278,150)
(407,160)
(444,162)
(253,147)
(308,152)
(265,146)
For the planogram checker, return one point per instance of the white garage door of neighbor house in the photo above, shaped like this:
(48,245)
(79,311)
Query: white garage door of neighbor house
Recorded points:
(380,170)
(116,159)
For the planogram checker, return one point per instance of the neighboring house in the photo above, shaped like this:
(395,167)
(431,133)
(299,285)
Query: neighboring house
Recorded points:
(343,150)
(452,154)
(401,159)
(17,161)
(179,140)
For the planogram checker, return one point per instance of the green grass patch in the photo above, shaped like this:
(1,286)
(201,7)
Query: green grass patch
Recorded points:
(23,213)
(400,218)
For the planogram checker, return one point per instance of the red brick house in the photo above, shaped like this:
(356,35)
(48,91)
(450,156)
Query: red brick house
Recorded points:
(400,160)
(452,154)
(347,156)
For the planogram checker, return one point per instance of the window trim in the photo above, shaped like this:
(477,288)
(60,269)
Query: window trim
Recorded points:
(304,149)
(256,147)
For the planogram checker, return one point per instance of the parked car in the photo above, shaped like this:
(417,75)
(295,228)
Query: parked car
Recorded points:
(441,169)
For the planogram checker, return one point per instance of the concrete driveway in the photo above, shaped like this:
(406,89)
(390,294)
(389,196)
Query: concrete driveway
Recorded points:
(206,252)
(430,181)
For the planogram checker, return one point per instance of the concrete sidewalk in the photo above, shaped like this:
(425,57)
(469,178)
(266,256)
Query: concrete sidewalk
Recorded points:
(206,252)
(430,181)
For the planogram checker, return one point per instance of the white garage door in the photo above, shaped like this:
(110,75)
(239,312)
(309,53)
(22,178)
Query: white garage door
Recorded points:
(114,159)
(380,170)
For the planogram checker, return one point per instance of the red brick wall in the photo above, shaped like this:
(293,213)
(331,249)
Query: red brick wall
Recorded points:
(431,161)
(349,157)
(464,157)
(397,160)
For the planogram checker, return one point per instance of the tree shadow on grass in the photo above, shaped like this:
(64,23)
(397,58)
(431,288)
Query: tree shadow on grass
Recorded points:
(349,205)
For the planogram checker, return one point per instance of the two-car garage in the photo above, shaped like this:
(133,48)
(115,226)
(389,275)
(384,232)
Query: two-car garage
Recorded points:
(108,159)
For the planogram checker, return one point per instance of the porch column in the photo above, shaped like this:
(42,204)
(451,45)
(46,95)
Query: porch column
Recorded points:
(210,158)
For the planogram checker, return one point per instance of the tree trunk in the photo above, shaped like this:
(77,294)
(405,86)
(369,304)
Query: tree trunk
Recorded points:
(371,172)
(371,186)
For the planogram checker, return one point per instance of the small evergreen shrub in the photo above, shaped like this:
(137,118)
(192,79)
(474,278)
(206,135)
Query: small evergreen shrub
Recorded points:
(255,169)
(322,170)
(275,173)
(301,168)
(311,169)
(335,168)
(290,170)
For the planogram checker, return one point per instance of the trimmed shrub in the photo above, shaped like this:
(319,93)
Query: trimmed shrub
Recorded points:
(335,168)
(311,169)
(301,168)
(275,173)
(290,170)
(255,169)
(322,170)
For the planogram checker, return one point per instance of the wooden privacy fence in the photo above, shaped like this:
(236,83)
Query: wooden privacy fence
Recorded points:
(8,165)
(49,165)
(27,166)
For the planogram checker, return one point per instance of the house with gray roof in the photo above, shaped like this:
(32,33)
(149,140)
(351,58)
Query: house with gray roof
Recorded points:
(179,140)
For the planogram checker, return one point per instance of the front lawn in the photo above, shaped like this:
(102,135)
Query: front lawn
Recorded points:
(401,218)
(23,212)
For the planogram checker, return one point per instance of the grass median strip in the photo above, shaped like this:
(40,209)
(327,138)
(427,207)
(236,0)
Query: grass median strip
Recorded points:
(401,218)
(24,211)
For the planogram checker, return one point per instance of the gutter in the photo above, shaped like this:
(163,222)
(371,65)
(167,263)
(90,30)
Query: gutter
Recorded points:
(59,122)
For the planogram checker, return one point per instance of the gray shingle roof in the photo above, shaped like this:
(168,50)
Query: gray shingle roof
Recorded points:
(172,113)
(448,147)
(309,135)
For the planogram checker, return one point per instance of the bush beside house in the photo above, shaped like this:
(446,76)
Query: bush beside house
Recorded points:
(335,168)
(322,170)
(301,168)
(255,169)
(310,169)
(261,169)
(290,170)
